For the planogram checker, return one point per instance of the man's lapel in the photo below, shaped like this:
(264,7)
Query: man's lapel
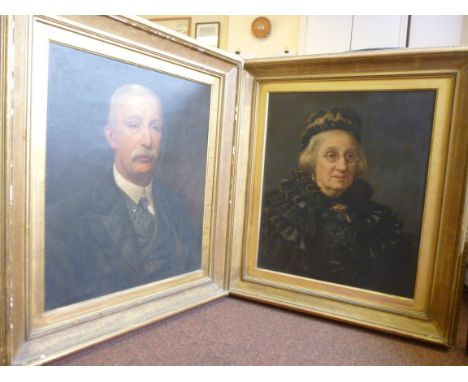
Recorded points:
(112,229)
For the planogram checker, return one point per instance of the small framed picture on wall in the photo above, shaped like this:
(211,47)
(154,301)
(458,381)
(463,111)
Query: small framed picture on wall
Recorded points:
(178,24)
(208,33)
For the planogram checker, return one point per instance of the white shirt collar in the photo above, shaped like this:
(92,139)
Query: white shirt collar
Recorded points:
(134,191)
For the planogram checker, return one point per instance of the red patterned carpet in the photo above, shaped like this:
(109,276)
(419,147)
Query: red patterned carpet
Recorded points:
(232,331)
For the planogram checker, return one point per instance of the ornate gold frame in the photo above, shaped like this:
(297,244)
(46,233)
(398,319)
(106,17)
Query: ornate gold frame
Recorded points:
(233,188)
(32,335)
(431,316)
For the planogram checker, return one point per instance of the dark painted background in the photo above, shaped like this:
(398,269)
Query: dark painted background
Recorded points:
(80,88)
(396,137)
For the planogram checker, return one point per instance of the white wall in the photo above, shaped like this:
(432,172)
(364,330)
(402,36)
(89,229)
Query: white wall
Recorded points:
(329,34)
(432,31)
(326,34)
(372,32)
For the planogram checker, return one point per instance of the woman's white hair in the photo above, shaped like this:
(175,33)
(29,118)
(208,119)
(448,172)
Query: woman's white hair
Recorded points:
(308,157)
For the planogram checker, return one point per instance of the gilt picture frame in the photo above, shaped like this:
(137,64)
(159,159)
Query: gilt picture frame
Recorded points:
(61,104)
(278,259)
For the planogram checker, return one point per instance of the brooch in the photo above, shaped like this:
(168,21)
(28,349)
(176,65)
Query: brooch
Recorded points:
(342,209)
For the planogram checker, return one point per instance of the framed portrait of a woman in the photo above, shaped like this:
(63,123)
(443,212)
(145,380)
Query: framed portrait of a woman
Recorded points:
(351,187)
(348,210)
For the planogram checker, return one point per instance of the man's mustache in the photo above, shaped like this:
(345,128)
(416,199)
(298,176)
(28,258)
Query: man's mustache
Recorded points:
(144,152)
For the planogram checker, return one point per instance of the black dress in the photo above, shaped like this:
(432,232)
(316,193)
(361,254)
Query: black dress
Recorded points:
(348,240)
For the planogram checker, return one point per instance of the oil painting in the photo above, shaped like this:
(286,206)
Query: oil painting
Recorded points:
(344,186)
(125,175)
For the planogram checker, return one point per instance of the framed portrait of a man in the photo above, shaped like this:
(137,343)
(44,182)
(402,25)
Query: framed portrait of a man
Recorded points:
(123,188)
(131,209)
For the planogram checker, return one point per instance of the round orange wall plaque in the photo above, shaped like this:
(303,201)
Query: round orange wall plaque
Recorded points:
(261,27)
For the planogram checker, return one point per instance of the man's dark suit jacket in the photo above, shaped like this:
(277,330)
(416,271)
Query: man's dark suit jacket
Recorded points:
(91,247)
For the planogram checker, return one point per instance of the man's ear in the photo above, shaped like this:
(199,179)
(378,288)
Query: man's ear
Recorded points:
(109,133)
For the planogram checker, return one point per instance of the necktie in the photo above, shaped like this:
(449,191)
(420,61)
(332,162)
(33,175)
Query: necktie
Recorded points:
(143,221)
(143,203)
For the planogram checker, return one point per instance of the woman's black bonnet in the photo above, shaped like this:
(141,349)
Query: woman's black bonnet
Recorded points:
(331,119)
